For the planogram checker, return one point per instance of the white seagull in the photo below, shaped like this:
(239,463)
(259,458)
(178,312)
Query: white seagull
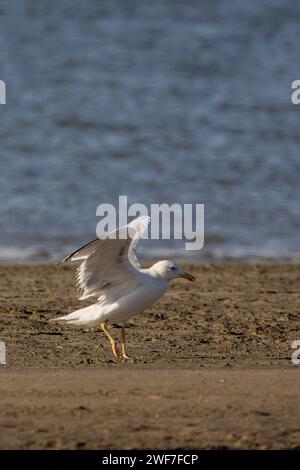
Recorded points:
(111,272)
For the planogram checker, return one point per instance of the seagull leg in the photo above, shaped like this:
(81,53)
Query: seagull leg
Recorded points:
(123,343)
(114,348)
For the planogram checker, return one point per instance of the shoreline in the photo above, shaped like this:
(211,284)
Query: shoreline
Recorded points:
(146,261)
(211,364)
(234,313)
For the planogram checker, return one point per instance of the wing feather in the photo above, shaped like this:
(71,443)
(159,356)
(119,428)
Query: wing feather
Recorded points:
(110,265)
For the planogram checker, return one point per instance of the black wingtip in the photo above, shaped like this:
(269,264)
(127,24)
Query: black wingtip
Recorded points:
(61,262)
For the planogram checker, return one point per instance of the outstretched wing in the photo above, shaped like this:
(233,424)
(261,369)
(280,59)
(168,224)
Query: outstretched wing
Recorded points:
(110,265)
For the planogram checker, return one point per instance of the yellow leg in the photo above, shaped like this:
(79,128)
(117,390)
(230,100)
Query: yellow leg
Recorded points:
(114,348)
(123,344)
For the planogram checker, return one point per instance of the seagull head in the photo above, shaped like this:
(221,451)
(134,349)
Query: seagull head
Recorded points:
(169,270)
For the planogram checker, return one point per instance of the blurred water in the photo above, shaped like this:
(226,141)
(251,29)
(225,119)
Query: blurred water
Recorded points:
(164,101)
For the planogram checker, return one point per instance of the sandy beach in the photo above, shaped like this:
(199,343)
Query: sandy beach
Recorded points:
(211,364)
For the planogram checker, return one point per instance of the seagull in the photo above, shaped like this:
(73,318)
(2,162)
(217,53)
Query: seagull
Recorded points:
(111,272)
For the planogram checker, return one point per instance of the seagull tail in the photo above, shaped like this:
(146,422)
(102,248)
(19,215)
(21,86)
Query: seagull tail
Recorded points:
(81,317)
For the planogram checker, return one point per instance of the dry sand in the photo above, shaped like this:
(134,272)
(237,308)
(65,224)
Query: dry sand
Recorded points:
(211,364)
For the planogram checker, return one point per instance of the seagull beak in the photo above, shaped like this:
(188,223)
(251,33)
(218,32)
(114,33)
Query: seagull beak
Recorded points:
(188,276)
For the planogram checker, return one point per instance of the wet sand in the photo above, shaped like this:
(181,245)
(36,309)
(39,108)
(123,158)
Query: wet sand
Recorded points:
(211,364)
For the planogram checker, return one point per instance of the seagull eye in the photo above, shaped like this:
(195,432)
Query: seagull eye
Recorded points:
(173,268)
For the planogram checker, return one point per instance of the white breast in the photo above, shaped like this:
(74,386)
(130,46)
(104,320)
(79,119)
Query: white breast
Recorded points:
(137,300)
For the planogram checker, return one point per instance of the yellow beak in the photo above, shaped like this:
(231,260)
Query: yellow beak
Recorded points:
(188,276)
